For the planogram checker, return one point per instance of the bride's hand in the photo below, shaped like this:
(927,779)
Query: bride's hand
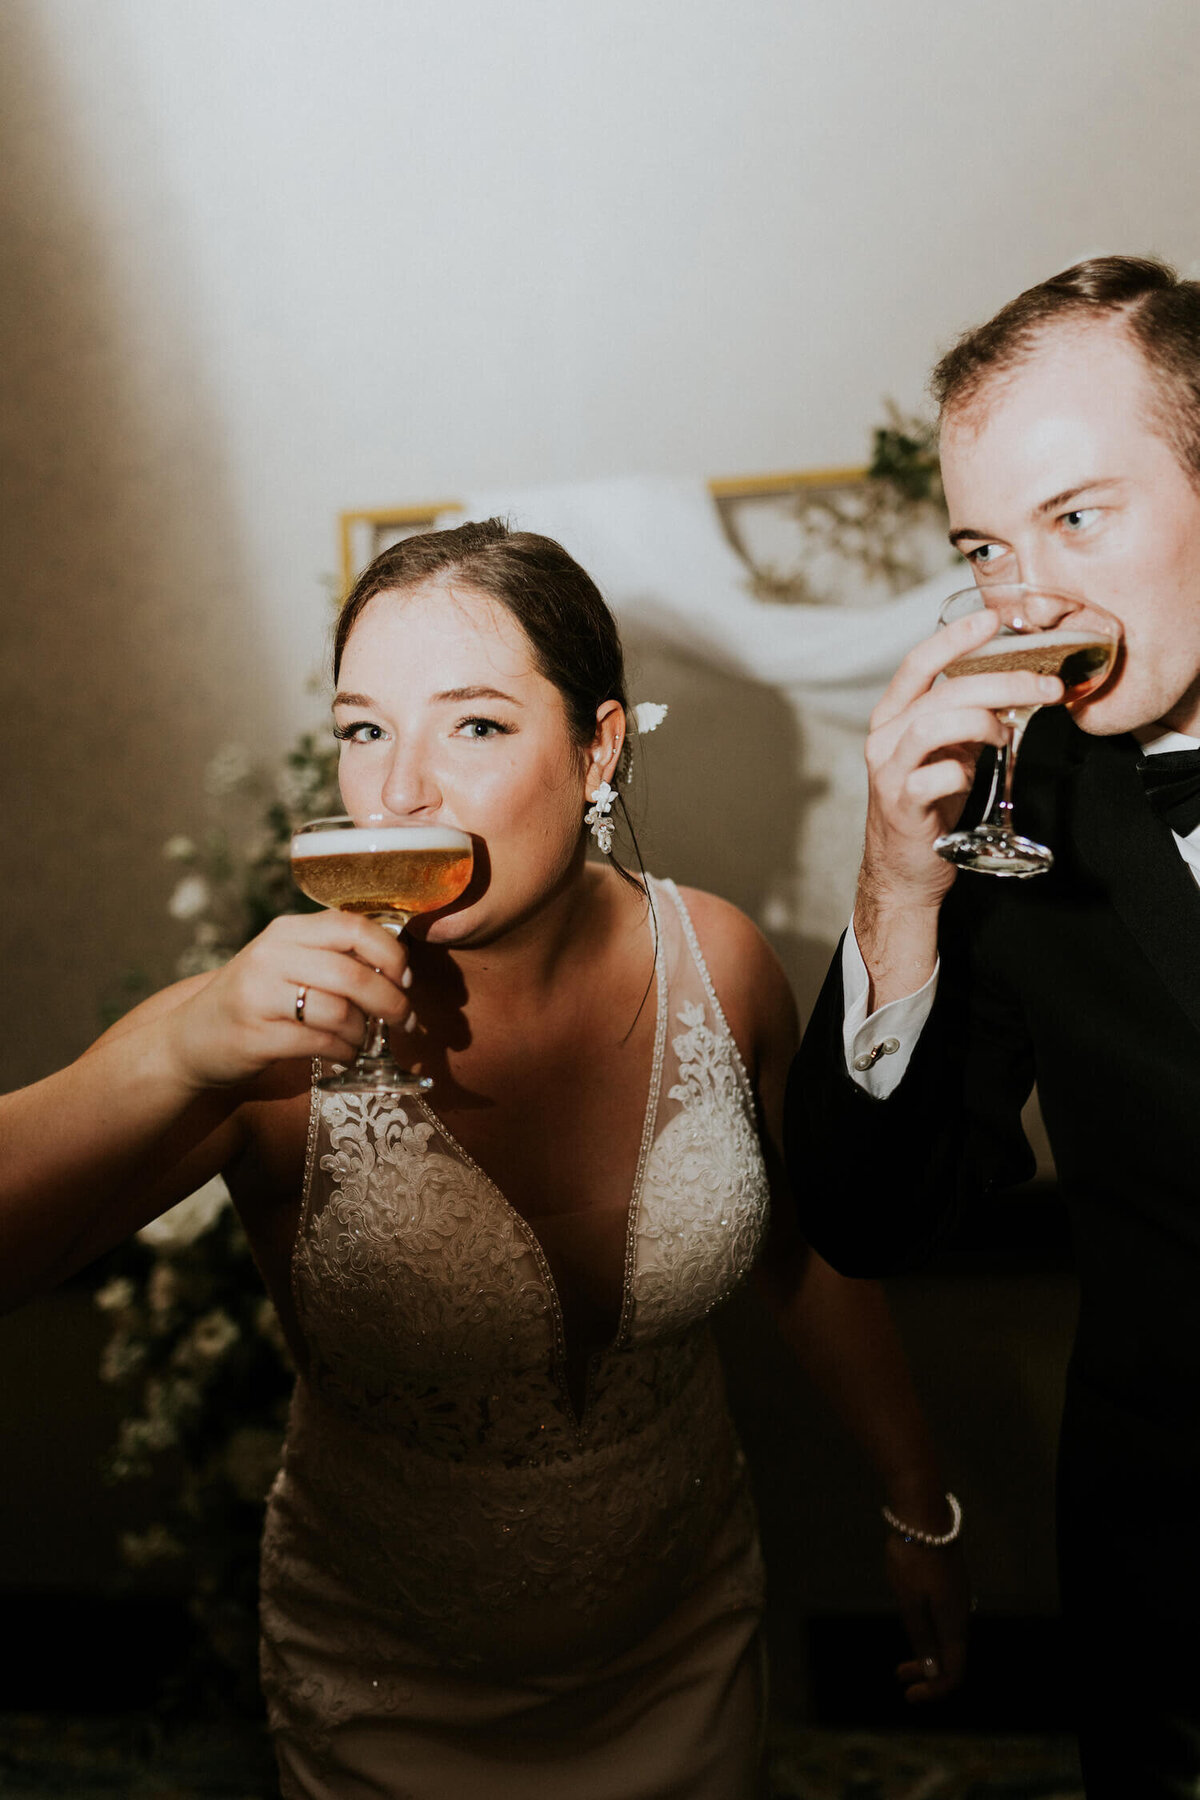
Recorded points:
(933,1591)
(244,1016)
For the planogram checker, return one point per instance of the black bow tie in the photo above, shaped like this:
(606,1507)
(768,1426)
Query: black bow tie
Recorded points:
(1172,783)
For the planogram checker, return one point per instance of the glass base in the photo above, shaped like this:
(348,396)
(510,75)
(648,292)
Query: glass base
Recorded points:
(375,1075)
(990,850)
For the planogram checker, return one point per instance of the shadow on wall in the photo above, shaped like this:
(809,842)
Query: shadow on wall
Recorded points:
(131,648)
(720,798)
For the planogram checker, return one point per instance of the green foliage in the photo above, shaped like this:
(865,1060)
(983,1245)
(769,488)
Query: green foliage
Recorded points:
(905,455)
(887,531)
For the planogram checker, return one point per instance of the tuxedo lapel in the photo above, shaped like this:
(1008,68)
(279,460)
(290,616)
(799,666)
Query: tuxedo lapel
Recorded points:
(1136,859)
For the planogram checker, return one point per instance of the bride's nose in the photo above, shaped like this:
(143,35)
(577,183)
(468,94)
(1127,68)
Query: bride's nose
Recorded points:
(410,788)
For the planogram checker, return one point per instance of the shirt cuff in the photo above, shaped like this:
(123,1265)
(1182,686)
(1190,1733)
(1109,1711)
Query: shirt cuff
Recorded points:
(878,1048)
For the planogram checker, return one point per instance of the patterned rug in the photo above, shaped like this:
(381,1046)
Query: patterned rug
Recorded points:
(131,1759)
(815,1764)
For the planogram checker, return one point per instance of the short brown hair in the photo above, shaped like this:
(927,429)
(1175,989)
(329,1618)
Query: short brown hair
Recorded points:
(1160,311)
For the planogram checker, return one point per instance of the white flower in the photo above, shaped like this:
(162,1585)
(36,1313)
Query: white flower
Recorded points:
(159,1425)
(162,1289)
(136,1437)
(116,1295)
(208,1340)
(179,1395)
(139,1548)
(168,1402)
(121,1357)
(649,715)
(296,787)
(190,898)
(184,1223)
(229,770)
(251,1460)
(179,849)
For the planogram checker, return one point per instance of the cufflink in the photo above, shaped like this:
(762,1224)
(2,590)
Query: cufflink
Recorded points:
(869,1058)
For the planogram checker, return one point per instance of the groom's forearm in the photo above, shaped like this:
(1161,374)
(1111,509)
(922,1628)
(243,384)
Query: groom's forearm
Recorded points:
(898,939)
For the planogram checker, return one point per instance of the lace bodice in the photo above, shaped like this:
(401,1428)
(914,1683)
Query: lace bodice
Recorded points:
(436,1426)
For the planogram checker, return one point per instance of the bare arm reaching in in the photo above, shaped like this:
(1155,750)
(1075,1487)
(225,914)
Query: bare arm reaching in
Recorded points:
(153,1108)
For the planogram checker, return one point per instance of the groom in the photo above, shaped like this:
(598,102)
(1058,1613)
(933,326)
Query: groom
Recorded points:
(1071,460)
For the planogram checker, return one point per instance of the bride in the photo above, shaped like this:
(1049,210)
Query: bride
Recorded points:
(512,1547)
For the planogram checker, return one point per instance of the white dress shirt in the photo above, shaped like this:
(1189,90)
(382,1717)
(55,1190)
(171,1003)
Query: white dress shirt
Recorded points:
(878,1045)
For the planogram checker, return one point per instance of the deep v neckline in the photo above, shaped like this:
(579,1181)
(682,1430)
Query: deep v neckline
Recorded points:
(633,1207)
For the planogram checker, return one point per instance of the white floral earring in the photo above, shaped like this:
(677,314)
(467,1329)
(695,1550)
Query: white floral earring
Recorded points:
(597,816)
(648,716)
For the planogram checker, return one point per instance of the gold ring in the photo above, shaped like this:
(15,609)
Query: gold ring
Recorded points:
(301,997)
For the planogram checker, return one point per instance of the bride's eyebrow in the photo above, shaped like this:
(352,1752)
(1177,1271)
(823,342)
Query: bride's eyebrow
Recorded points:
(456,695)
(478,693)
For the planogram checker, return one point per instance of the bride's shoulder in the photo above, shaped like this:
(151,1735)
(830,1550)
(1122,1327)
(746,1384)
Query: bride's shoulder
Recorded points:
(748,977)
(724,930)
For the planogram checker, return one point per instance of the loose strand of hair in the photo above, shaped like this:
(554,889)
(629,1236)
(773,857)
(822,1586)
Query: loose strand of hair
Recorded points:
(644,887)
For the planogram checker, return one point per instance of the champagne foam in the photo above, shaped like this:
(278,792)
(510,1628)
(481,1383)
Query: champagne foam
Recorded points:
(363,839)
(1005,642)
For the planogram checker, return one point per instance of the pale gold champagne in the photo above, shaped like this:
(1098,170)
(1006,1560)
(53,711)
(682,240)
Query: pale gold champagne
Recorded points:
(389,872)
(385,881)
(1080,659)
(1042,633)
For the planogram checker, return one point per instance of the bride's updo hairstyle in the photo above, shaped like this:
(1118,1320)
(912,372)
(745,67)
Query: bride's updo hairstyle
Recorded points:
(570,630)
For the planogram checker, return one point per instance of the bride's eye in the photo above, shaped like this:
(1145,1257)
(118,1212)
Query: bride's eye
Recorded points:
(482,728)
(361,732)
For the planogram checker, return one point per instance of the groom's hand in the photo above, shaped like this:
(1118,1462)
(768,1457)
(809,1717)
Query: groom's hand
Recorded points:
(924,742)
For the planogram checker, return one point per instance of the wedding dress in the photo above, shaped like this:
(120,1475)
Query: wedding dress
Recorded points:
(479,1584)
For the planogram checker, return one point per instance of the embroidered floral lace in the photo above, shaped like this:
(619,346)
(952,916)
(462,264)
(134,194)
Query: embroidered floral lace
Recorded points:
(437,1475)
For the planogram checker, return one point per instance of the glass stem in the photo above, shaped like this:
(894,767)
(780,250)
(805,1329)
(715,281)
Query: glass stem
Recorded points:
(375,1038)
(998,812)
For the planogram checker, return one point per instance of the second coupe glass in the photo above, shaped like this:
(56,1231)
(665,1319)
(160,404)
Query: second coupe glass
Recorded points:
(1048,634)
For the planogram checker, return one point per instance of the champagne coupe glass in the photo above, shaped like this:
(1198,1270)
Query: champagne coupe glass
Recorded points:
(1047,634)
(388,872)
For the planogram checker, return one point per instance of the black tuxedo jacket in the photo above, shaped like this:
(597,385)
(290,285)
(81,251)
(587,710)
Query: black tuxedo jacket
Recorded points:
(1086,980)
